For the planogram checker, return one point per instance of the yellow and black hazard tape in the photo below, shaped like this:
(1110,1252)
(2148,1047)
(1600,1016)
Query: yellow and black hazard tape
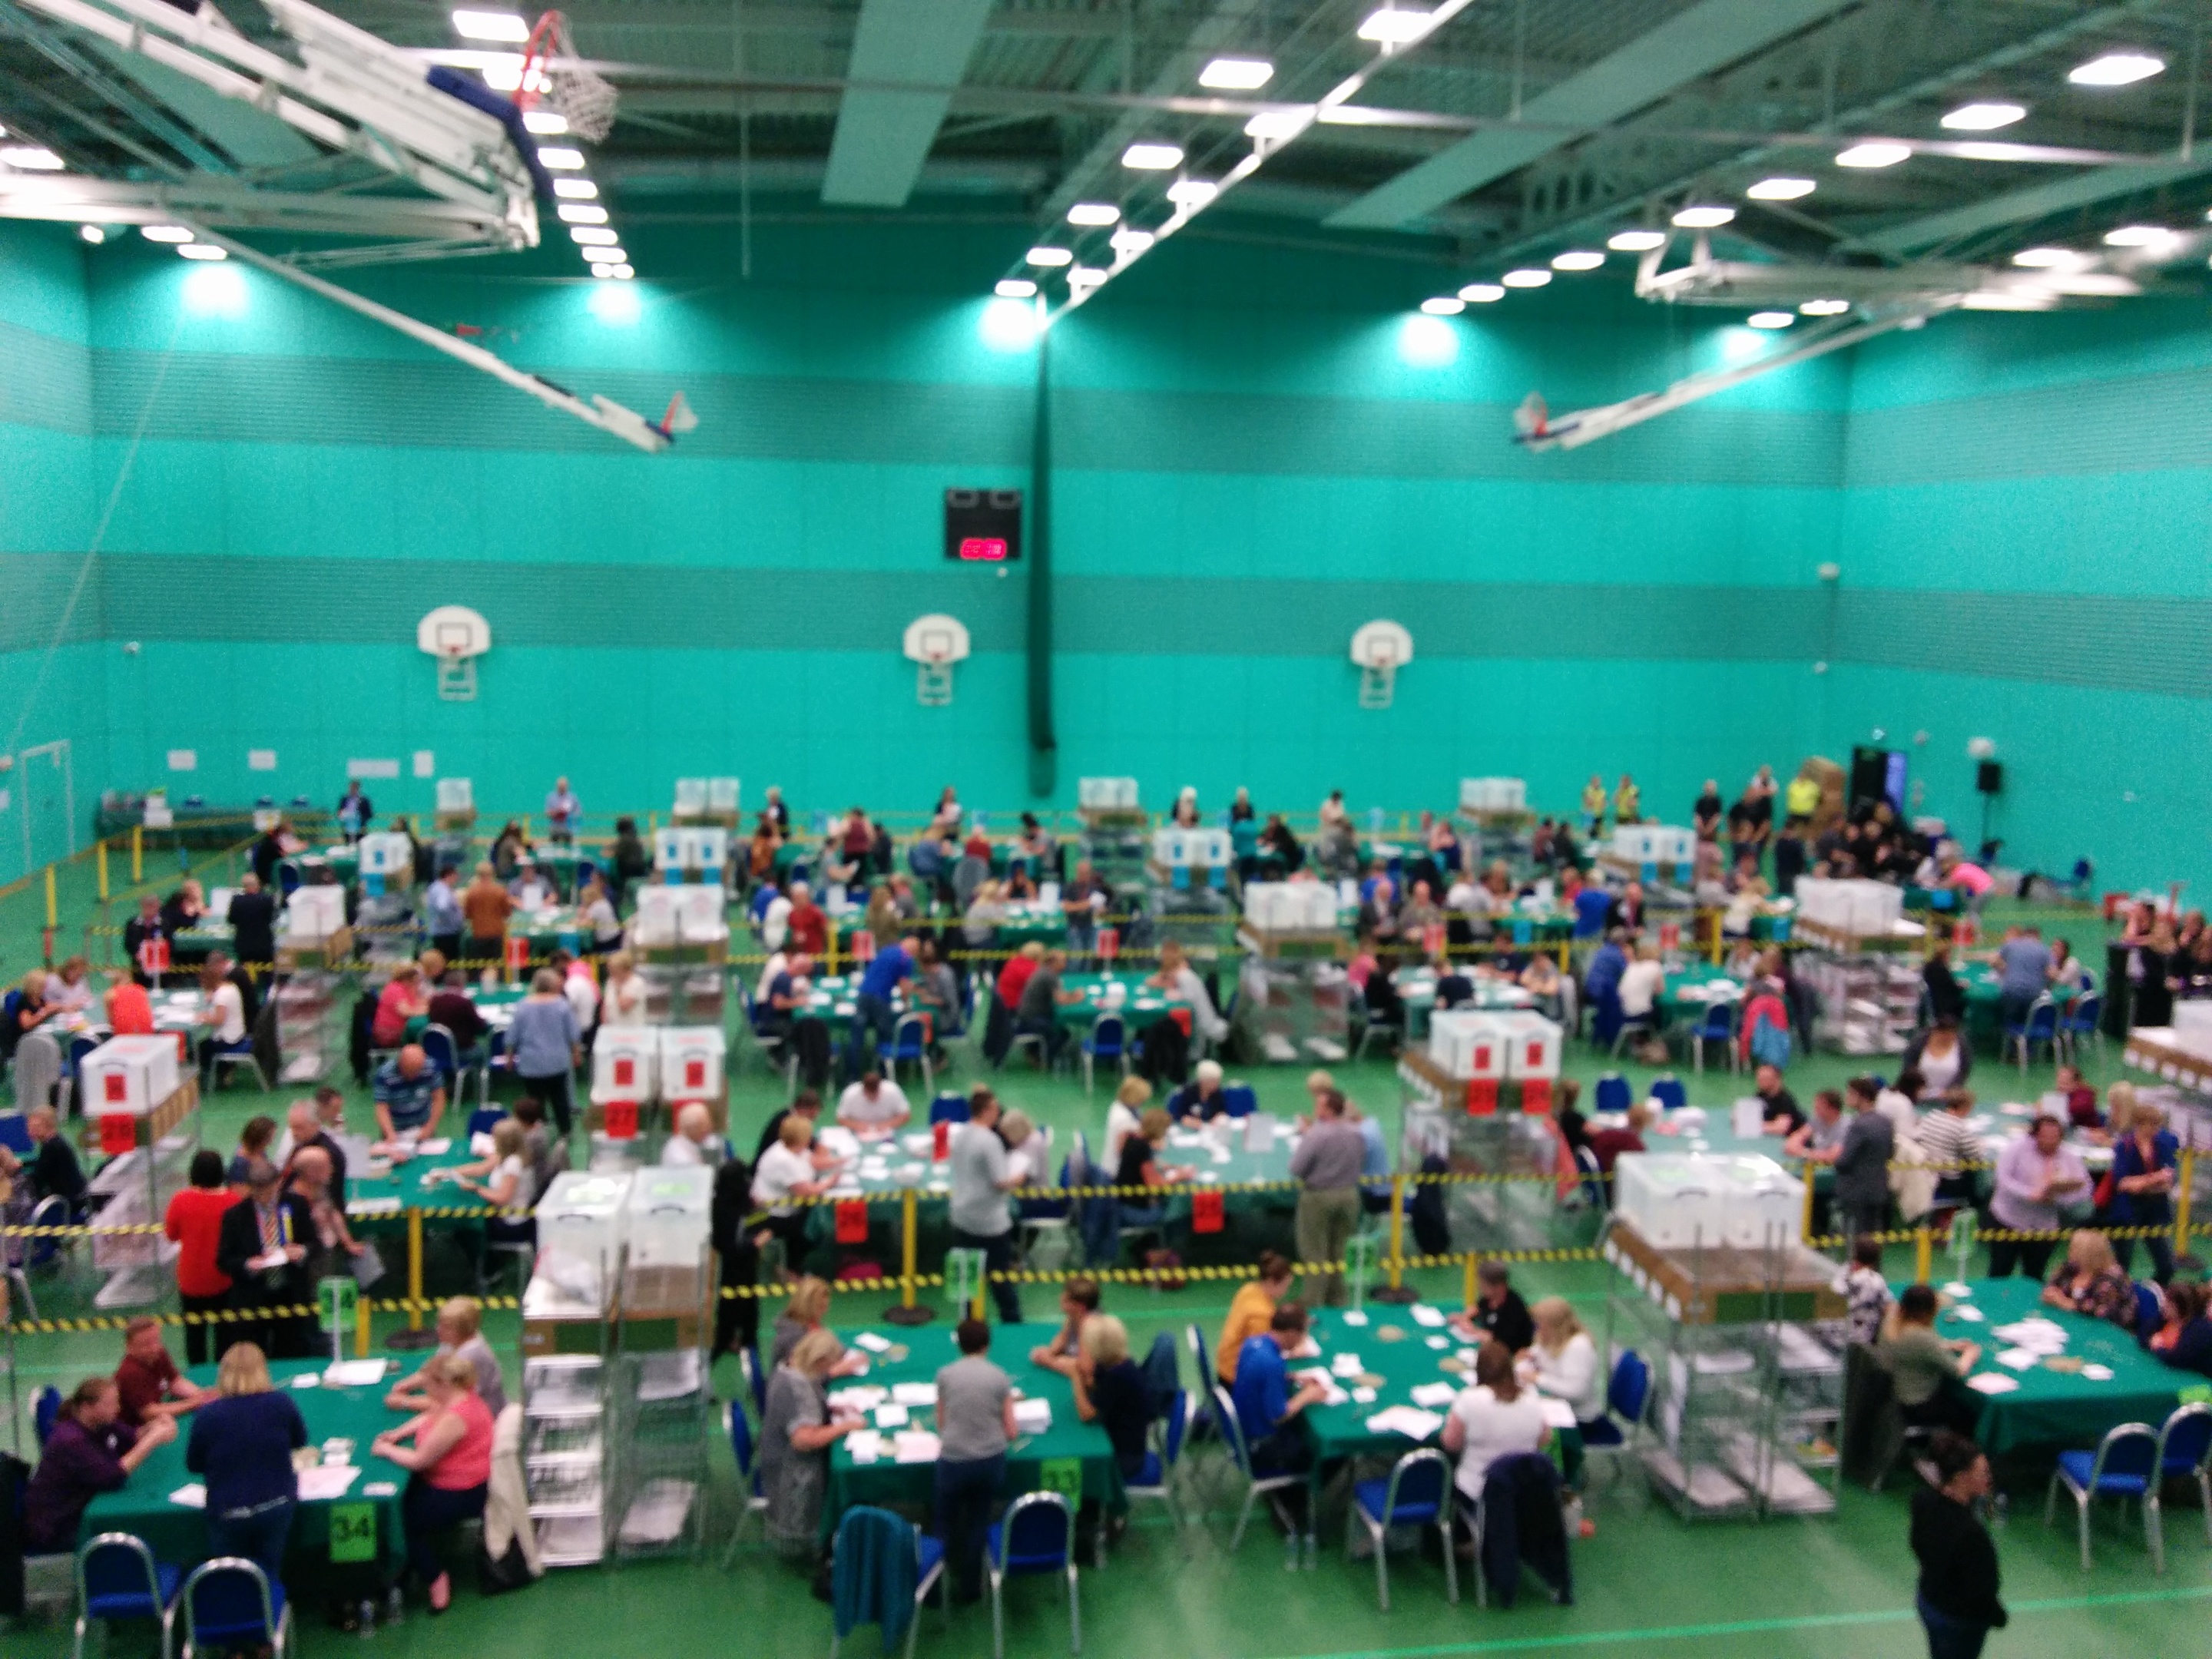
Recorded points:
(237,1315)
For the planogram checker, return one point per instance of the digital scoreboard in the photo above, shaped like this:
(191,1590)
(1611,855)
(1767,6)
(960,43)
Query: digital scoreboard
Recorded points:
(983,527)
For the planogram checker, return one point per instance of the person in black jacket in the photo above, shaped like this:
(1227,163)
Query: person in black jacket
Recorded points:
(1945,999)
(141,930)
(253,923)
(737,1318)
(1498,1310)
(628,860)
(1958,1596)
(273,1229)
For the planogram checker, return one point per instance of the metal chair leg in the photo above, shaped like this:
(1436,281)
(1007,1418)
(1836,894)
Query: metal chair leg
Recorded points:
(1380,1536)
(1451,1563)
(1074,1612)
(2082,1504)
(2050,1501)
(2154,1526)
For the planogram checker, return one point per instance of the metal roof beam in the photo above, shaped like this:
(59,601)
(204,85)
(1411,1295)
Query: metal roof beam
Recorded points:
(884,136)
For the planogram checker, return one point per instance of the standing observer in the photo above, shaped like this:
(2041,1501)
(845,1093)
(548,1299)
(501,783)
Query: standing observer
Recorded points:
(1326,1165)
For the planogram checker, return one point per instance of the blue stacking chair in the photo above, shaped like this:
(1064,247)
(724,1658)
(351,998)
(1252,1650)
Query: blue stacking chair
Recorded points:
(1107,1040)
(117,1577)
(921,1565)
(485,1119)
(948,1109)
(1238,1100)
(1669,1091)
(910,1047)
(1156,1481)
(2085,1018)
(1035,1536)
(229,1603)
(1256,1486)
(1716,1024)
(443,1050)
(1626,1395)
(15,1134)
(2184,1453)
(1416,1493)
(45,1406)
(751,1500)
(2041,1026)
(1612,1093)
(2125,1464)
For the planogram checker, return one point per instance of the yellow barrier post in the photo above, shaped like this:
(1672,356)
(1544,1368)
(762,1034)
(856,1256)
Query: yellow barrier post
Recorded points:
(2181,1200)
(1467,1286)
(1395,1290)
(1924,1255)
(1805,1174)
(137,854)
(53,909)
(361,1328)
(100,855)
(413,1336)
(907,1312)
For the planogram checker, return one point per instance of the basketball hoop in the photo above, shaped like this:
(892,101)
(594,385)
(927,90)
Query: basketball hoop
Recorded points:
(1380,649)
(935,643)
(455,636)
(554,74)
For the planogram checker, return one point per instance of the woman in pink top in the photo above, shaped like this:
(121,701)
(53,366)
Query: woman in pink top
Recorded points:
(450,1458)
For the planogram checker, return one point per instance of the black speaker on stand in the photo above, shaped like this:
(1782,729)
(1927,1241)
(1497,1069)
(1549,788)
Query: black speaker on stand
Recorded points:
(1988,778)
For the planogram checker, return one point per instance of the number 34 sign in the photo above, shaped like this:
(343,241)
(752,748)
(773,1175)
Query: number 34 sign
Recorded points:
(353,1531)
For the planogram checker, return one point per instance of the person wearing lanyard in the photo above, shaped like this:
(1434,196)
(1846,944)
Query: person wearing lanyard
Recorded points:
(2035,1177)
(2145,1163)
(262,1248)
(241,1446)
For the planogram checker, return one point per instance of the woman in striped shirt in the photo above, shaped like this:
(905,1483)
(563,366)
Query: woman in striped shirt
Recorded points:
(1947,1137)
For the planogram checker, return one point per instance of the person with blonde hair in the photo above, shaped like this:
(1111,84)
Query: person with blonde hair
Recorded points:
(1180,980)
(804,1311)
(622,999)
(502,1180)
(2091,1281)
(796,1430)
(1251,1311)
(1109,1391)
(241,1445)
(32,1010)
(460,1336)
(446,1448)
(785,1171)
(1130,1100)
(67,987)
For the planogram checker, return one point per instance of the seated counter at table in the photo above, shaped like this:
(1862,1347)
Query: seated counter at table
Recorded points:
(1037,1014)
(2184,1339)
(146,1377)
(403,998)
(1139,1167)
(1110,1391)
(1498,1313)
(692,1141)
(1179,982)
(792,1168)
(89,1450)
(873,1106)
(1927,1372)
(446,1449)
(1495,1418)
(2091,1281)
(1202,1099)
(410,1095)
(1267,1408)
(1079,1302)
(1251,1311)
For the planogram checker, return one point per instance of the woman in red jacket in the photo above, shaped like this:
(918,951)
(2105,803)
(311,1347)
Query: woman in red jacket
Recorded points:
(194,1219)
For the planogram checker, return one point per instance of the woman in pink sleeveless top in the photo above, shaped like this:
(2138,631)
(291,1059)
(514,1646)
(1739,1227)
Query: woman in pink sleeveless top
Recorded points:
(450,1454)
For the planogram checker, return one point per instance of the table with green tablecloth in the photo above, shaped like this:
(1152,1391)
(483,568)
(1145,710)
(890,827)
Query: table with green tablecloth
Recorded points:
(2052,1408)
(388,1201)
(1691,988)
(1417,989)
(370,1514)
(1071,1456)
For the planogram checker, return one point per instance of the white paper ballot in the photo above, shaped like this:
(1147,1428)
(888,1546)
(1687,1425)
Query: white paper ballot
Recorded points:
(1971,1315)
(354,1373)
(1434,1393)
(1992,1383)
(873,1343)
(191,1496)
(326,1481)
(914,1446)
(913,1393)
(864,1445)
(2097,1373)
(1439,1343)
(2019,1359)
(892,1417)
(1363,1396)
(1033,1416)
(1433,1318)
(1404,1419)
(1355,1318)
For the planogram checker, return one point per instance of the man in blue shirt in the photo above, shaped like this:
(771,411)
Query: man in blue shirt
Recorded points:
(1602,980)
(411,1094)
(2023,973)
(1267,1409)
(873,1021)
(441,906)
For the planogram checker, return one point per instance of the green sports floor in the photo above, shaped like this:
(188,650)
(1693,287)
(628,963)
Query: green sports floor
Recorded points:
(1647,1582)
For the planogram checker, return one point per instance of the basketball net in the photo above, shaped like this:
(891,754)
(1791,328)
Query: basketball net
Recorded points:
(584,98)
(1379,682)
(932,683)
(457,677)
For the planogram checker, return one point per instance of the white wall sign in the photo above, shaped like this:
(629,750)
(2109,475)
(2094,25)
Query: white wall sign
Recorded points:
(426,764)
(261,760)
(184,760)
(372,768)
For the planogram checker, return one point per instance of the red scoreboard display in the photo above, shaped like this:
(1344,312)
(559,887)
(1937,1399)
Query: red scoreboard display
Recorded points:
(983,527)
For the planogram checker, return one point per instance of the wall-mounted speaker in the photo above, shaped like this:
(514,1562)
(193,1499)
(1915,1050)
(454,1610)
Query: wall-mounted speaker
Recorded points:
(1988,777)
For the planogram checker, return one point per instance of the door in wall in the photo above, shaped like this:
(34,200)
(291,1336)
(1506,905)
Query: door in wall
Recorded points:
(49,799)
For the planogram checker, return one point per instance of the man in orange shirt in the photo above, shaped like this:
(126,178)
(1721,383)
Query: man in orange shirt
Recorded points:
(485,907)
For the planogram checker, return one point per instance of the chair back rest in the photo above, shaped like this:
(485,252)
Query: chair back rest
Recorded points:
(2129,1450)
(1239,1099)
(1107,1035)
(757,1375)
(227,1594)
(1422,1476)
(485,1119)
(909,1036)
(1197,1352)
(1178,1424)
(1038,1535)
(15,1133)
(1232,1432)
(948,1108)
(2185,1439)
(1719,1023)
(1631,1387)
(2042,1017)
(2150,1308)
(741,1440)
(114,1567)
(45,1406)
(1613,1092)
(1669,1093)
(2088,1012)
(869,1541)
(440,1048)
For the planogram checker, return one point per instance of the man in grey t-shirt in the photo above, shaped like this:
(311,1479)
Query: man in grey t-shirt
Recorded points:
(974,1426)
(2023,974)
(982,1219)
(1326,1165)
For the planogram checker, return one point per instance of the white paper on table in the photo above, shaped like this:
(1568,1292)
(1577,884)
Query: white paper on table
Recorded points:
(864,1445)
(893,1416)
(1330,1395)
(913,1393)
(326,1481)
(381,1489)
(858,1363)
(1434,1393)
(1356,1318)
(1307,1348)
(2097,1373)
(1992,1383)
(1971,1315)
(1957,1290)
(1427,1316)
(1363,1396)
(1439,1343)
(190,1497)
(2019,1359)
(1346,1364)
(354,1373)
(1557,1414)
(873,1343)
(1033,1416)
(1406,1420)
(360,1206)
(914,1446)
(309,1381)
(2041,1335)
(437,1148)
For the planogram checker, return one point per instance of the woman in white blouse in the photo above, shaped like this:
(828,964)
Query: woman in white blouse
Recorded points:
(1181,981)
(1565,1359)
(1495,1419)
(623,1001)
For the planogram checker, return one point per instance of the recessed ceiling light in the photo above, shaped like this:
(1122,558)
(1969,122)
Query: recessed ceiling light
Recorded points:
(1129,242)
(1444,305)
(1635,241)
(2048,258)
(203,251)
(1152,158)
(605,255)
(92,234)
(165,233)
(1825,307)
(1015,288)
(1526,278)
(2138,236)
(576,190)
(1482,294)
(1279,124)
(1237,74)
(545,123)
(1049,256)
(1984,118)
(490,26)
(2117,69)
(1192,194)
(1392,27)
(1780,190)
(1578,259)
(1704,218)
(592,235)
(1094,213)
(560,158)
(1770,319)
(31,158)
(582,213)
(1877,155)
(1086,277)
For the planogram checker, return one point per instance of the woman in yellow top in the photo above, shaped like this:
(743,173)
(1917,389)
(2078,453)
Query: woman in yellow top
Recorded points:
(1627,804)
(1594,804)
(1251,1312)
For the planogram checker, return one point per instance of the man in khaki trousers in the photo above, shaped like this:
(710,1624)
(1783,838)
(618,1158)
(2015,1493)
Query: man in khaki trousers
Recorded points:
(1327,1164)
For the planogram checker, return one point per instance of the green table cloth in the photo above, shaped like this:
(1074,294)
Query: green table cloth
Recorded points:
(1071,1456)
(2052,1408)
(418,1183)
(1141,1004)
(1690,989)
(178,1534)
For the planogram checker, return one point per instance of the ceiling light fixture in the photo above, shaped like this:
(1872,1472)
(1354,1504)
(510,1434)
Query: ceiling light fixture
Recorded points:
(582,213)
(1526,278)
(92,234)
(1049,256)
(1704,218)
(2117,69)
(1152,158)
(560,158)
(1876,155)
(1086,277)
(1780,190)
(1129,242)
(165,233)
(1984,118)
(1279,124)
(1482,294)
(491,26)
(1578,259)
(1635,241)
(2047,258)
(576,190)
(1094,213)
(1770,319)
(1192,194)
(1015,288)
(545,123)
(31,158)
(203,251)
(2138,236)
(1444,305)
(1393,28)
(605,255)
(1825,307)
(1237,74)
(592,236)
